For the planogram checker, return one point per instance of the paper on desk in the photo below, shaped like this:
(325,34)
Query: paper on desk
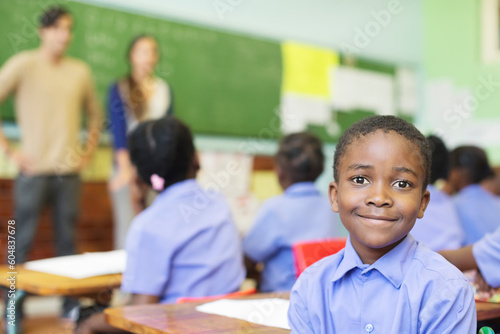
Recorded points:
(268,312)
(82,265)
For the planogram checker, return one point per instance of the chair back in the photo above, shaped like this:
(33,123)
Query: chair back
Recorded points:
(307,253)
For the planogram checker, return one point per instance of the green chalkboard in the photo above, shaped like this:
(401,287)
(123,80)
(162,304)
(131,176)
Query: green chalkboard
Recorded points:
(223,83)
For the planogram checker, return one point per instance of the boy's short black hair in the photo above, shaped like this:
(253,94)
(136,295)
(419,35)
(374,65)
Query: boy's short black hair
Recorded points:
(163,147)
(474,160)
(300,156)
(50,16)
(386,124)
(440,159)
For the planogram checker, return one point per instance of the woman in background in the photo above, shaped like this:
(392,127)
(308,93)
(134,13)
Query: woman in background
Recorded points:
(137,97)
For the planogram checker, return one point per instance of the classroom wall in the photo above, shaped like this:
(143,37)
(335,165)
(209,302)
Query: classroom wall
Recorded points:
(327,23)
(453,64)
(339,24)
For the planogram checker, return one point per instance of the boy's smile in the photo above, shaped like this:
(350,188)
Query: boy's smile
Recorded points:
(379,192)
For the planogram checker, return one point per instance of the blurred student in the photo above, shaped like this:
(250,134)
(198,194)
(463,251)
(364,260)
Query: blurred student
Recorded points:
(477,201)
(300,214)
(50,91)
(138,97)
(185,243)
(383,281)
(440,228)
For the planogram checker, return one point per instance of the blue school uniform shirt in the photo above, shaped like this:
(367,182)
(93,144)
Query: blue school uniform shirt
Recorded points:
(440,227)
(478,210)
(487,255)
(300,214)
(184,245)
(410,290)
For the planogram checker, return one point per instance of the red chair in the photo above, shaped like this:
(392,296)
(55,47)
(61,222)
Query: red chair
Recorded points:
(182,300)
(307,253)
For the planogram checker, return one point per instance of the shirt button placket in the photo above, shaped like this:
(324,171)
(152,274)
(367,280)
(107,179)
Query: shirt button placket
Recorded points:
(369,328)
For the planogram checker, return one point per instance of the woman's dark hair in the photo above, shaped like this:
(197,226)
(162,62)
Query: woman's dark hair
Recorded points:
(440,158)
(136,98)
(473,160)
(384,123)
(163,147)
(50,16)
(300,156)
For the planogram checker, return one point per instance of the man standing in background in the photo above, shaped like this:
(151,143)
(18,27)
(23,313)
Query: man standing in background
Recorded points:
(51,90)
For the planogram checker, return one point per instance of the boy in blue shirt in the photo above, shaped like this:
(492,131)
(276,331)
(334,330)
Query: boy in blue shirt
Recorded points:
(477,199)
(383,281)
(300,214)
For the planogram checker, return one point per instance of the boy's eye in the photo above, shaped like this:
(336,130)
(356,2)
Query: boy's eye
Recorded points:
(359,180)
(402,184)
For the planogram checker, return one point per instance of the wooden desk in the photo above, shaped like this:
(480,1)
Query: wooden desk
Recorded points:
(47,284)
(183,318)
(487,311)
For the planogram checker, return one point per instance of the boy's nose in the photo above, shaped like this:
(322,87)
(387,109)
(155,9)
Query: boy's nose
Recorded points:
(379,196)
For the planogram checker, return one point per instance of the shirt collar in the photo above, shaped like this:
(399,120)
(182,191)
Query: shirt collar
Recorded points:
(301,188)
(179,189)
(392,265)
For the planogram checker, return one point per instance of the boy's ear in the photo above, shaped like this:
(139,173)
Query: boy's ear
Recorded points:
(426,197)
(333,194)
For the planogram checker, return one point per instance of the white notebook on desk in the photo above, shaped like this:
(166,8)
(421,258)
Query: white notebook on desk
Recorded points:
(82,265)
(268,311)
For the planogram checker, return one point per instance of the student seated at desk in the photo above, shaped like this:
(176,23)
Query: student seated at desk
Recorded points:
(300,214)
(477,201)
(185,244)
(383,281)
(440,228)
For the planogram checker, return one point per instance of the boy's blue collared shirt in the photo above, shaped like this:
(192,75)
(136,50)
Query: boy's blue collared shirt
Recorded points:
(409,290)
(478,210)
(184,245)
(300,214)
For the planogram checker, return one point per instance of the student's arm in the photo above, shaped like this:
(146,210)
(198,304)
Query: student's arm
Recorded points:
(145,276)
(486,252)
(94,120)
(10,74)
(461,258)
(449,309)
(97,323)
(262,241)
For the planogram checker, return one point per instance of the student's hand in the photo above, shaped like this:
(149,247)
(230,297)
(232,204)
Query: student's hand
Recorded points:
(96,324)
(24,163)
(484,289)
(84,328)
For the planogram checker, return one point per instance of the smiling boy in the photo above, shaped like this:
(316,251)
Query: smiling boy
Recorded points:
(383,281)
